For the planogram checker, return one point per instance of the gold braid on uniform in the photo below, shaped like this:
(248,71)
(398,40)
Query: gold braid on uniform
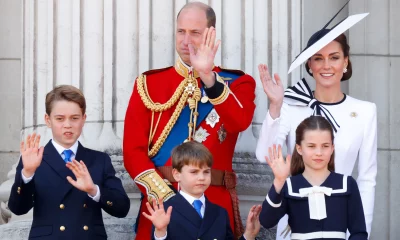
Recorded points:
(157,107)
(156,187)
(187,91)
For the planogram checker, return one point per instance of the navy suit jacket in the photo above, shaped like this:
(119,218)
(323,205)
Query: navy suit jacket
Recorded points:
(186,223)
(60,211)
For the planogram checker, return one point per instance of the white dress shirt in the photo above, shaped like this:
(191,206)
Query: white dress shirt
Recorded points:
(356,138)
(60,149)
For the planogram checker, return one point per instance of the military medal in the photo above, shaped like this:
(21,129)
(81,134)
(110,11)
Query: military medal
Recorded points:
(201,135)
(212,118)
(221,133)
(190,88)
(204,98)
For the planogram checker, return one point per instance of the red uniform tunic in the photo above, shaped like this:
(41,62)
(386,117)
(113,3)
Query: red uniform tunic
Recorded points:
(236,113)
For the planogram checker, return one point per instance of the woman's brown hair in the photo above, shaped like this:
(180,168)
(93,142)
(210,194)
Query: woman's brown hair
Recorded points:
(310,123)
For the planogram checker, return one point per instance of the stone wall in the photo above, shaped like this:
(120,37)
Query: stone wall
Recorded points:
(10,83)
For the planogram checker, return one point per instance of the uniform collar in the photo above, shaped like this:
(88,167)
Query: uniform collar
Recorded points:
(185,70)
(60,149)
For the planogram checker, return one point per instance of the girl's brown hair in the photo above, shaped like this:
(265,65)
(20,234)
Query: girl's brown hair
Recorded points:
(310,123)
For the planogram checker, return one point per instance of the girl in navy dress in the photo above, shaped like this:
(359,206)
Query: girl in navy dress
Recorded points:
(320,203)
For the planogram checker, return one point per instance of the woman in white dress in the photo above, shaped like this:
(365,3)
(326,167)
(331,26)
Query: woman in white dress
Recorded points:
(353,120)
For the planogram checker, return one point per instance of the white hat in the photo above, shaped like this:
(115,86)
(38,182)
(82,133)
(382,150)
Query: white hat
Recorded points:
(324,36)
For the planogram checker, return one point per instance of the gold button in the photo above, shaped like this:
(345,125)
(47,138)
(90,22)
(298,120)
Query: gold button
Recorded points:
(62,228)
(109,203)
(62,206)
(19,190)
(84,205)
(85,228)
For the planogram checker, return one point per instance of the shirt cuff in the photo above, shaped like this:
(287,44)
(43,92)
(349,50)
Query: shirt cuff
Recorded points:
(270,120)
(25,179)
(273,198)
(96,198)
(216,90)
(160,238)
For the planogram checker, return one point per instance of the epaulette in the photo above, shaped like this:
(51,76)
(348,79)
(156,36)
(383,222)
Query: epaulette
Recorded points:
(156,70)
(233,71)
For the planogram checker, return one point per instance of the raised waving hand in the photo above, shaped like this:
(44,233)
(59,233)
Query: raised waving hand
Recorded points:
(158,216)
(279,166)
(273,89)
(31,154)
(202,58)
(83,180)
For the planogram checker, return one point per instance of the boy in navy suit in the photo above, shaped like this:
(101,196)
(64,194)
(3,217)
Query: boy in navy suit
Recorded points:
(66,195)
(193,216)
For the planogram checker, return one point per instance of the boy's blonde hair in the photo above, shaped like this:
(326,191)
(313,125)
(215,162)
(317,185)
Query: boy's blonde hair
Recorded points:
(65,93)
(191,153)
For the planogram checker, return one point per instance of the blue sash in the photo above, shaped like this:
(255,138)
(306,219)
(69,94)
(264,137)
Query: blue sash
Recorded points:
(180,130)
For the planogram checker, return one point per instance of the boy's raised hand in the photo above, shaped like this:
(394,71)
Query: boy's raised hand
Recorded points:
(279,166)
(158,216)
(83,181)
(253,223)
(31,154)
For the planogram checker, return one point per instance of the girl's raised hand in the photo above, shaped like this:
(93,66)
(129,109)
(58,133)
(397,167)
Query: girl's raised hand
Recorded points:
(279,166)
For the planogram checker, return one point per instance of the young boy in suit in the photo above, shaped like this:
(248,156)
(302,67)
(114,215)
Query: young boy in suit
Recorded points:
(193,216)
(66,195)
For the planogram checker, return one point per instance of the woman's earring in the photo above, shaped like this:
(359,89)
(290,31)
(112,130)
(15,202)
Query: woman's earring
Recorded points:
(344,70)
(310,71)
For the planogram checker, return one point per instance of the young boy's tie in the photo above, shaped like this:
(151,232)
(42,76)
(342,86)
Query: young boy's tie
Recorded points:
(67,155)
(197,205)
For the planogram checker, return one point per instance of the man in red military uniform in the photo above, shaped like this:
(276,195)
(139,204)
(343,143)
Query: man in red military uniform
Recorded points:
(193,100)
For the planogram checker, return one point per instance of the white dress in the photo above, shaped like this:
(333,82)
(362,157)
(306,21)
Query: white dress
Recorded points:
(356,137)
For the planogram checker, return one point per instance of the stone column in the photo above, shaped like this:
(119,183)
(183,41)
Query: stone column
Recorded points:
(10,84)
(100,46)
(375,48)
(10,92)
